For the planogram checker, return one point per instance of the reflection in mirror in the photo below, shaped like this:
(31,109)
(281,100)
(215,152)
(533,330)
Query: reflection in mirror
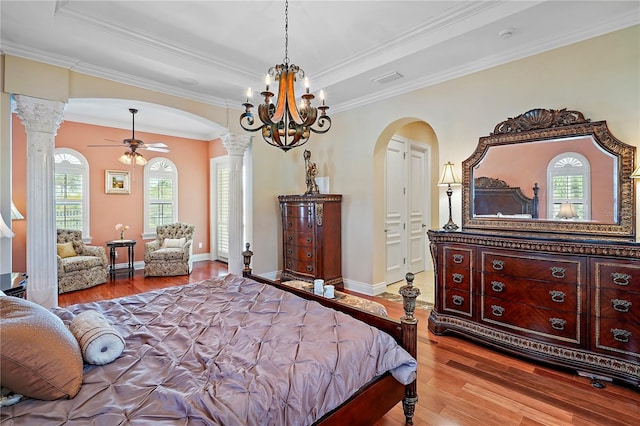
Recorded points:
(550,171)
(574,171)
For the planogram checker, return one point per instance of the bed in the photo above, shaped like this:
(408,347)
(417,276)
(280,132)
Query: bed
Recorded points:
(240,350)
(496,198)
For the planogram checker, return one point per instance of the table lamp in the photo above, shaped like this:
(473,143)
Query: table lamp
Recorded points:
(449,178)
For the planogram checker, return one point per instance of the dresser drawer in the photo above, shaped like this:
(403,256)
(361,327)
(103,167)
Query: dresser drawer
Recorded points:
(550,295)
(549,323)
(618,304)
(457,257)
(457,278)
(457,301)
(618,336)
(301,239)
(301,253)
(617,275)
(297,224)
(297,210)
(533,267)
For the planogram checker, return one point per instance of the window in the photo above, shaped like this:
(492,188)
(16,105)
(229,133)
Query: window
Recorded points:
(222,211)
(160,194)
(568,177)
(72,190)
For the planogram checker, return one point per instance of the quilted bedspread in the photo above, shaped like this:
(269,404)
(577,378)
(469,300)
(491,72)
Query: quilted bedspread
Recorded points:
(227,351)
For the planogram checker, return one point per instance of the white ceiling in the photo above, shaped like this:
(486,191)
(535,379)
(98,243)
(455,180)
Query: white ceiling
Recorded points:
(212,51)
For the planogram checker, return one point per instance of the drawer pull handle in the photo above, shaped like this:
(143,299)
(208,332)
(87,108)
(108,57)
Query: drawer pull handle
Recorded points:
(309,225)
(289,251)
(621,279)
(309,255)
(557,296)
(457,278)
(558,272)
(557,323)
(497,286)
(289,237)
(498,265)
(621,305)
(309,239)
(289,224)
(621,335)
(309,268)
(497,311)
(458,300)
(458,258)
(290,265)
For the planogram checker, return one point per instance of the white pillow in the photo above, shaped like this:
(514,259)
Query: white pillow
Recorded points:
(174,242)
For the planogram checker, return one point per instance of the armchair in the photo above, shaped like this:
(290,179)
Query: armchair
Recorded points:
(170,253)
(79,266)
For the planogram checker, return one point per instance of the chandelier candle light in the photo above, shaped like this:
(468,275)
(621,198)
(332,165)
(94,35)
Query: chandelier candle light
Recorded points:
(120,227)
(284,124)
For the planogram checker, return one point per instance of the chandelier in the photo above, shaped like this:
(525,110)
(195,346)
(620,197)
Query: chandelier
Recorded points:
(284,124)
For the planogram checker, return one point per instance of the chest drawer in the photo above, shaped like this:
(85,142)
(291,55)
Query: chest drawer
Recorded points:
(301,265)
(305,254)
(300,239)
(617,275)
(297,210)
(457,278)
(553,269)
(457,301)
(297,224)
(548,323)
(551,295)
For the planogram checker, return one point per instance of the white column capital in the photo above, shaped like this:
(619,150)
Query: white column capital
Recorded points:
(39,115)
(235,144)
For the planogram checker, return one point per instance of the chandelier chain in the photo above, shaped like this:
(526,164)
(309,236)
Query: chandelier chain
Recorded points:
(286,32)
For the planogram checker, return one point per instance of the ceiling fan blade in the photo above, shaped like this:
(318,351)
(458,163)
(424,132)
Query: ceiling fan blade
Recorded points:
(153,148)
(106,146)
(157,145)
(113,140)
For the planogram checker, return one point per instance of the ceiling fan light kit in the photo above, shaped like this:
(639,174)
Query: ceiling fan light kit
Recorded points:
(284,124)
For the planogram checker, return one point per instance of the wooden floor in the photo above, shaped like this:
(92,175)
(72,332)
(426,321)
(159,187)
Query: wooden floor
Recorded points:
(459,382)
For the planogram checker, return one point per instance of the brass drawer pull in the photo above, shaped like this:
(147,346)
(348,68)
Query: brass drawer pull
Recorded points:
(497,311)
(457,278)
(621,279)
(621,305)
(497,286)
(458,258)
(557,296)
(621,335)
(289,225)
(457,300)
(309,239)
(558,272)
(557,323)
(309,268)
(309,255)
(289,251)
(498,265)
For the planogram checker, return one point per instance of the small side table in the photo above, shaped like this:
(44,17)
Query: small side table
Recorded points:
(14,284)
(129,244)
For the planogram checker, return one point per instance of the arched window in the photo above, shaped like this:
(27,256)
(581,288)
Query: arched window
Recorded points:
(569,183)
(160,194)
(72,191)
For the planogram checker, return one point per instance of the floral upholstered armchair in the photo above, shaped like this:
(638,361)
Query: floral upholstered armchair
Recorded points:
(79,266)
(171,252)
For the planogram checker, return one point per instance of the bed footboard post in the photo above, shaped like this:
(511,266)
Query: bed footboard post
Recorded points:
(247,254)
(409,342)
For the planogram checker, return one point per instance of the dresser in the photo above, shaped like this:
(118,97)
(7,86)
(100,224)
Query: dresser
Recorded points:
(311,238)
(570,302)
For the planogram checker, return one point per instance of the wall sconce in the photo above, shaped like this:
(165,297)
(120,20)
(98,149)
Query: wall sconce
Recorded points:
(567,211)
(5,231)
(449,178)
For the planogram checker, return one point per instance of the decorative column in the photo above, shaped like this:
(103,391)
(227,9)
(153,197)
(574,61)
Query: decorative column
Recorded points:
(236,145)
(41,119)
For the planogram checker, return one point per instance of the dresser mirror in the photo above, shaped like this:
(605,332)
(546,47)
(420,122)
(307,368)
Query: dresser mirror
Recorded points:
(551,171)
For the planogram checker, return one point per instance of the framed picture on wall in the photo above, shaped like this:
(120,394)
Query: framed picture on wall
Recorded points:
(116,182)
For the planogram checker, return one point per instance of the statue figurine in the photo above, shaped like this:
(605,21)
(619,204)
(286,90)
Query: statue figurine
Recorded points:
(312,171)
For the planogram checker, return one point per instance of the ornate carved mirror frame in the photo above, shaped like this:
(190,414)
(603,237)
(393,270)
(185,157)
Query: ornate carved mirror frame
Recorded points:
(547,125)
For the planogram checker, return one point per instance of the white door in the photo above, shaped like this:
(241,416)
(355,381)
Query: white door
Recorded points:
(395,205)
(407,213)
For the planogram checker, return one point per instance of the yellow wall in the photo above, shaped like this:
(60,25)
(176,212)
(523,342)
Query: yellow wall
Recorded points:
(599,77)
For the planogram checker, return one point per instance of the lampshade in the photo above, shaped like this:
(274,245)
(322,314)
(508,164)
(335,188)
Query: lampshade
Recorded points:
(449,175)
(5,231)
(15,213)
(636,173)
(130,158)
(567,211)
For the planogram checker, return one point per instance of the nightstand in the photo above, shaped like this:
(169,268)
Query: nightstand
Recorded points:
(14,284)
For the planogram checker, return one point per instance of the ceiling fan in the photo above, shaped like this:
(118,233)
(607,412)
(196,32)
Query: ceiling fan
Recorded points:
(132,156)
